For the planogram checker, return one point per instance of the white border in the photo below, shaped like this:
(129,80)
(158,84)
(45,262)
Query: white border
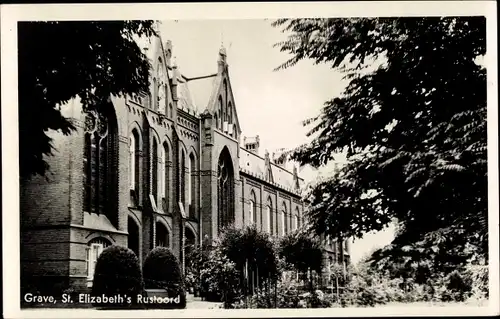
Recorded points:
(10,14)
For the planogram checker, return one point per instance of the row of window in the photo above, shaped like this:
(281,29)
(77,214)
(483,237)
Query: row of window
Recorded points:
(224,115)
(289,222)
(161,172)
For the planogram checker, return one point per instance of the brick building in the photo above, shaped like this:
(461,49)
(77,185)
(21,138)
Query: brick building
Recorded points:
(165,168)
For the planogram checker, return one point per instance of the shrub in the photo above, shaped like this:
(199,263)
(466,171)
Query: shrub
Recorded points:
(118,272)
(284,295)
(162,271)
(220,279)
(478,275)
(196,258)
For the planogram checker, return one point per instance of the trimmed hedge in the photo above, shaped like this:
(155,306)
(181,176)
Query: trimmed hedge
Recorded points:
(162,271)
(117,272)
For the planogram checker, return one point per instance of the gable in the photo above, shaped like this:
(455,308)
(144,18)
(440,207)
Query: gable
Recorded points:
(222,98)
(158,57)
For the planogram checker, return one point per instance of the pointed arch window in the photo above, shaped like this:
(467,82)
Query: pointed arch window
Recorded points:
(221,114)
(225,190)
(284,217)
(192,185)
(132,161)
(296,217)
(134,164)
(166,177)
(154,169)
(269,217)
(253,208)
(100,162)
(155,94)
(163,179)
(182,178)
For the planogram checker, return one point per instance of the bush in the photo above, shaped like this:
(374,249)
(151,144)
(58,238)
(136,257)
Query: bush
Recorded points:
(478,275)
(162,271)
(118,272)
(284,295)
(220,279)
(196,258)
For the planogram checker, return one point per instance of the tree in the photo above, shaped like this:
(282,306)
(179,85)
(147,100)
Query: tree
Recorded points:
(59,61)
(302,251)
(412,121)
(251,249)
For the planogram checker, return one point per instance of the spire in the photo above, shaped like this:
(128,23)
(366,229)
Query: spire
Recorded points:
(222,54)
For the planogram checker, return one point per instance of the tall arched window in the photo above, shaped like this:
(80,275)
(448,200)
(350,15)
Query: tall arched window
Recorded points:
(163,182)
(225,189)
(285,220)
(166,176)
(132,161)
(100,161)
(226,100)
(155,94)
(299,218)
(135,150)
(230,113)
(221,114)
(154,170)
(253,208)
(170,110)
(192,184)
(182,178)
(296,217)
(276,221)
(161,89)
(269,216)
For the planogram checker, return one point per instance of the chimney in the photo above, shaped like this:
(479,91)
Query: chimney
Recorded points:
(295,178)
(252,144)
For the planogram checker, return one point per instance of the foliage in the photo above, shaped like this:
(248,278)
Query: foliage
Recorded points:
(162,271)
(478,275)
(220,279)
(62,60)
(196,258)
(284,295)
(118,272)
(412,122)
(301,250)
(248,246)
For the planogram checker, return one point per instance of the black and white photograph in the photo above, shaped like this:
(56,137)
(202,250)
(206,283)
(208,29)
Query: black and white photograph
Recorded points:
(164,161)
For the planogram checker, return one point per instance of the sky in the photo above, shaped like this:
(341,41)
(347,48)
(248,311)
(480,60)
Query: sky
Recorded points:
(271,104)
